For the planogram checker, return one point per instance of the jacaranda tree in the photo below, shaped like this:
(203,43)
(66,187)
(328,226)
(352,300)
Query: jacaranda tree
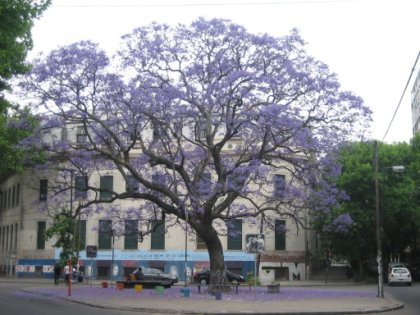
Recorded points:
(200,116)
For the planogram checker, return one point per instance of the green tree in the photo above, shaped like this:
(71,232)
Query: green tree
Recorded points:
(400,213)
(63,230)
(16,21)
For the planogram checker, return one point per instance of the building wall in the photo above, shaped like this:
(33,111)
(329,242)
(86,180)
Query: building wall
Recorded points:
(415,104)
(24,259)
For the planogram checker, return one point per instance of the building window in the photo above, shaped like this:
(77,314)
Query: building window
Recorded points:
(64,134)
(7,238)
(106,187)
(279,185)
(43,189)
(205,184)
(9,198)
(103,272)
(46,139)
(16,235)
(200,243)
(3,231)
(40,238)
(80,187)
(236,181)
(131,234)
(104,234)
(13,196)
(81,233)
(202,130)
(234,234)
(17,194)
(158,235)
(11,237)
(3,236)
(81,135)
(280,235)
(5,200)
(132,184)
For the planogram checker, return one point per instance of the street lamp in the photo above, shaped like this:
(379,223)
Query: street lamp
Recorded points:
(112,257)
(396,169)
(378,226)
(186,245)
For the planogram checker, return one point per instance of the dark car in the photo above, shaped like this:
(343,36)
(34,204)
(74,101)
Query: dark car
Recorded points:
(203,276)
(152,276)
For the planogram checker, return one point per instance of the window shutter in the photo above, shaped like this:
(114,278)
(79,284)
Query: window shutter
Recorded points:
(106,187)
(235,235)
(280,235)
(158,235)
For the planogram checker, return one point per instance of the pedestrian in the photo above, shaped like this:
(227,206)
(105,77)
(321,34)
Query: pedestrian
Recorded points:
(57,272)
(67,273)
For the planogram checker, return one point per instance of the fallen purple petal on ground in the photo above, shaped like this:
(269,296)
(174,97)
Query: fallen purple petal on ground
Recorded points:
(94,293)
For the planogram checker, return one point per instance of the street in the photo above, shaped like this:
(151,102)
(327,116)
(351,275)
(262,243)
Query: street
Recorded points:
(407,295)
(14,302)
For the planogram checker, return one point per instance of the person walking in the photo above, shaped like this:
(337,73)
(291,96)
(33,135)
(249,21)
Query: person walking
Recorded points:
(57,272)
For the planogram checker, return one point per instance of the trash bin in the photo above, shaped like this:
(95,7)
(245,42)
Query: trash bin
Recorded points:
(218,295)
(138,287)
(185,292)
(159,289)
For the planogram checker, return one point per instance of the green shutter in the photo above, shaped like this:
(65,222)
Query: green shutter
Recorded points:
(80,187)
(43,189)
(40,240)
(280,235)
(235,235)
(106,187)
(82,234)
(132,184)
(158,235)
(104,234)
(131,238)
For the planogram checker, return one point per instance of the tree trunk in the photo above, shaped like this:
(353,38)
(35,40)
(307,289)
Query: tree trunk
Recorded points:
(218,279)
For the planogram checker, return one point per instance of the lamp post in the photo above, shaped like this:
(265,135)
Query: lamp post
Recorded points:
(378,226)
(112,258)
(396,169)
(186,245)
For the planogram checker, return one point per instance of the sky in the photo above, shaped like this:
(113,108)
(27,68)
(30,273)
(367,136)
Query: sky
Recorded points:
(371,45)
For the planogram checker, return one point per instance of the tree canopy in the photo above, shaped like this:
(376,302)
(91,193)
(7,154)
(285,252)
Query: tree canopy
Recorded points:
(398,198)
(201,117)
(16,21)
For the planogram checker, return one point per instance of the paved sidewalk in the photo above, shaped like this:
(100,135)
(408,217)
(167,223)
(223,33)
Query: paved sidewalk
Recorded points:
(303,297)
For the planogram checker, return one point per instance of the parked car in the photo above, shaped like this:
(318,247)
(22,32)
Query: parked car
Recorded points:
(399,275)
(154,276)
(203,276)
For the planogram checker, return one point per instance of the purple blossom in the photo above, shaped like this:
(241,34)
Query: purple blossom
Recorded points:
(207,98)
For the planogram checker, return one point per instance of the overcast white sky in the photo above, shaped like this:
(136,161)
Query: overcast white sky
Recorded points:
(371,44)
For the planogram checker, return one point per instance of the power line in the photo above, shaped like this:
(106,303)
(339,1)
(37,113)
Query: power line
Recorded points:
(402,96)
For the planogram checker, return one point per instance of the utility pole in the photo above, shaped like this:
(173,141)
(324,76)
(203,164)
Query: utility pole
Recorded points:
(378,224)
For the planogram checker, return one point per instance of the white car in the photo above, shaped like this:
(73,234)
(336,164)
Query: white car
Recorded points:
(399,275)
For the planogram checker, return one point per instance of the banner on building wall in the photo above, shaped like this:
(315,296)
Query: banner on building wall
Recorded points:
(168,255)
(25,268)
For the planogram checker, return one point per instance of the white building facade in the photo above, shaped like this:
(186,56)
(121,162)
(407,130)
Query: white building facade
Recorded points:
(25,252)
(415,104)
(28,204)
